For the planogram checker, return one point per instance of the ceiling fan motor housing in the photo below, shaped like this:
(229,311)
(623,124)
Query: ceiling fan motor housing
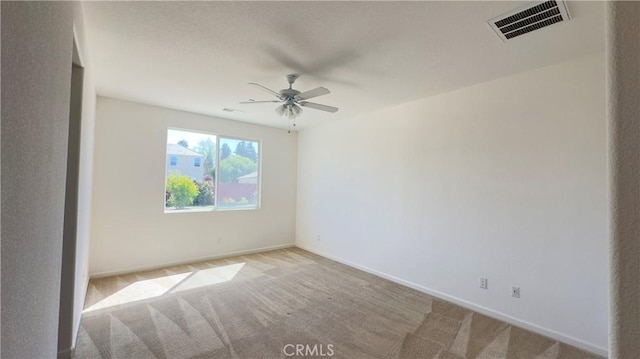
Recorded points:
(289,94)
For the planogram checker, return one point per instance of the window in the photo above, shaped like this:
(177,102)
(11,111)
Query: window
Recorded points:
(225,173)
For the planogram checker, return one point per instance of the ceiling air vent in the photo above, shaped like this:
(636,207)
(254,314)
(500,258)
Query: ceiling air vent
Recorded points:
(530,18)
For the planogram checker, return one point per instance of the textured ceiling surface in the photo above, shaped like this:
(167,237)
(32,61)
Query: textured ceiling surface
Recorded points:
(199,56)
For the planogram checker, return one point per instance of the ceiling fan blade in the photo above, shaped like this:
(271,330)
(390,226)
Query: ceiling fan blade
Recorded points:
(318,91)
(286,60)
(270,101)
(318,106)
(265,89)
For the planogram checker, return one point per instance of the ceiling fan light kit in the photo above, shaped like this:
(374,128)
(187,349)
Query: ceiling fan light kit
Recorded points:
(290,111)
(291,100)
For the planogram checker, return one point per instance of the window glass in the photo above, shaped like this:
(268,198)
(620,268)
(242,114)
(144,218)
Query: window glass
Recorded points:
(239,173)
(193,161)
(189,177)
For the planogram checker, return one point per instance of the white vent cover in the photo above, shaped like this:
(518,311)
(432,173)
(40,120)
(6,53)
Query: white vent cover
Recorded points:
(529,18)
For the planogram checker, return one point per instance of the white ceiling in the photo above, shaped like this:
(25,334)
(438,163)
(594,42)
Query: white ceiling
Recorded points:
(199,56)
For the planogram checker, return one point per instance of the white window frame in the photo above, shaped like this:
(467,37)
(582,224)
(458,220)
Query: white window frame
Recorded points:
(216,208)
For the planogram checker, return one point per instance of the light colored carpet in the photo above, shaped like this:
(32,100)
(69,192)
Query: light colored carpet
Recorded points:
(263,305)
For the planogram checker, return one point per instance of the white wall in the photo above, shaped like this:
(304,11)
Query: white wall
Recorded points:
(623,110)
(505,179)
(37,45)
(129,228)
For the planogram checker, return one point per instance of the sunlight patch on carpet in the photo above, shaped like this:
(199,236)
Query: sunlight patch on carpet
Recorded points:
(209,276)
(156,287)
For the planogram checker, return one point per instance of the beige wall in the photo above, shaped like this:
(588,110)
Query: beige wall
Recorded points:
(130,229)
(505,179)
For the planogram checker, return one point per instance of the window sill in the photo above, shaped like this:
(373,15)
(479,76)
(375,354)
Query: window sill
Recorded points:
(209,209)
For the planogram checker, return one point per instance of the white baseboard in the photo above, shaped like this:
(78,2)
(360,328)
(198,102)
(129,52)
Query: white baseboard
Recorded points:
(188,261)
(469,305)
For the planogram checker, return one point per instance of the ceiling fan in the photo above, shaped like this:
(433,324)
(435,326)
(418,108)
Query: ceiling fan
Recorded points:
(292,100)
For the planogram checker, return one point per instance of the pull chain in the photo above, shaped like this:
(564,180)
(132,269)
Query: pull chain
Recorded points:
(292,123)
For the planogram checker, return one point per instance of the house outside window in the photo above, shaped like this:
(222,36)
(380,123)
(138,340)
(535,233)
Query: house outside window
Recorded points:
(196,162)
(181,159)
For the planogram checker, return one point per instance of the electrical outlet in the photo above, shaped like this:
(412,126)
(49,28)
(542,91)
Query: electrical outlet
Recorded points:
(484,283)
(515,292)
